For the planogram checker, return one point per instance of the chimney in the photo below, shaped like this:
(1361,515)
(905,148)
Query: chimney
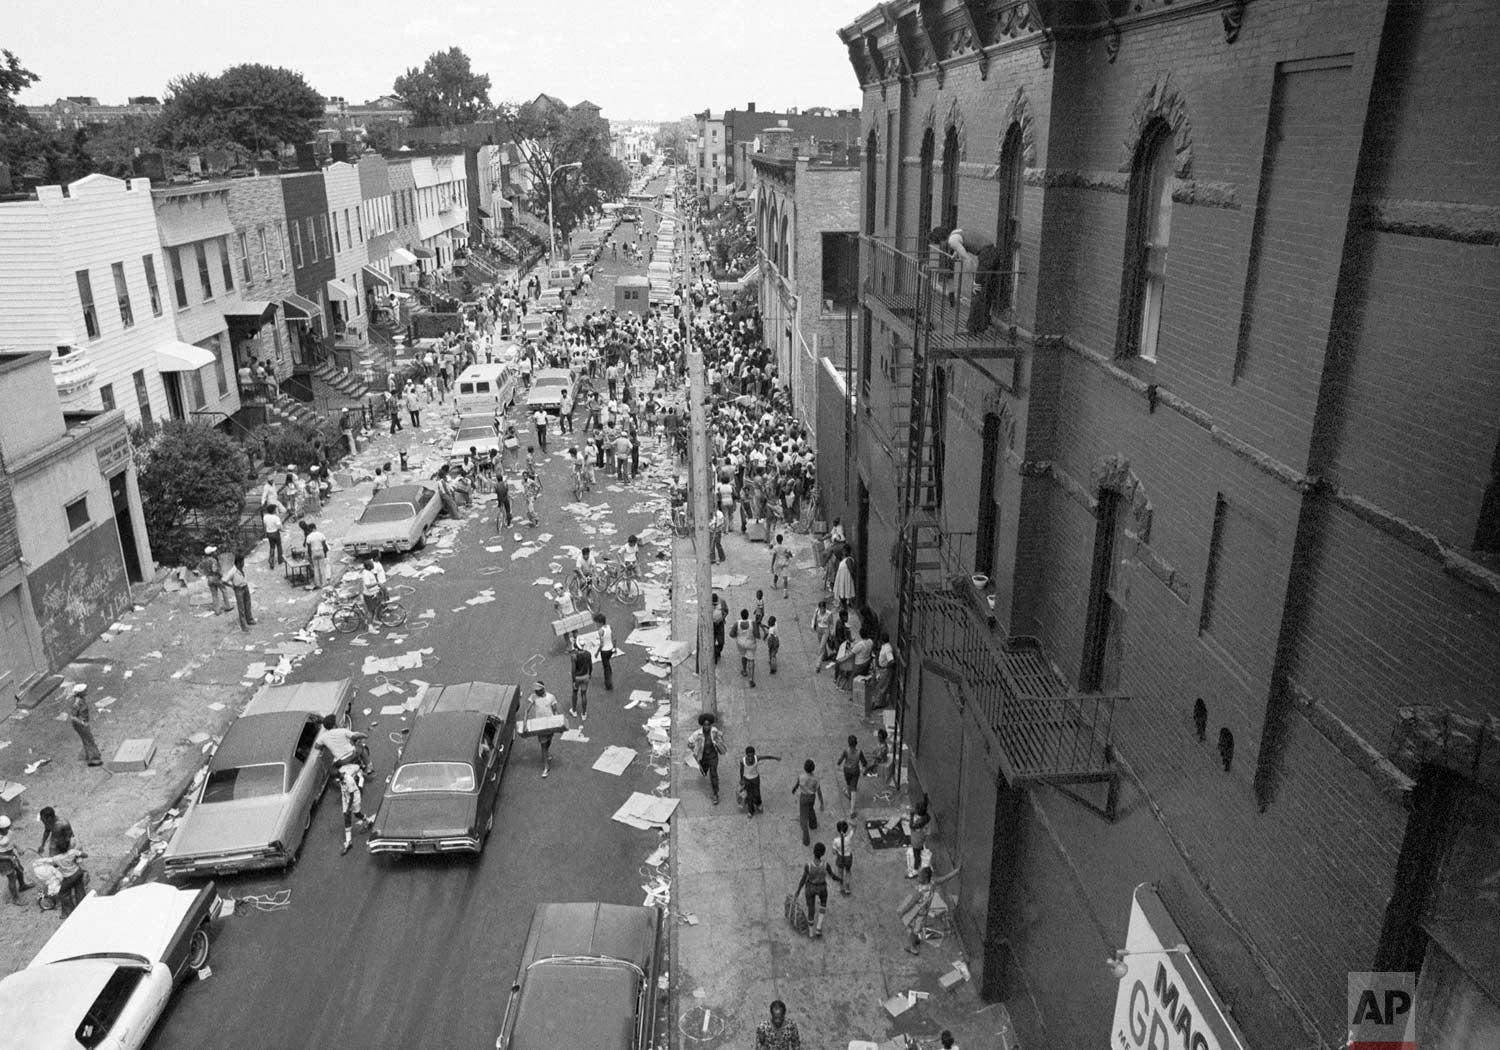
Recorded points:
(749,107)
(340,151)
(853,152)
(150,165)
(306,159)
(777,143)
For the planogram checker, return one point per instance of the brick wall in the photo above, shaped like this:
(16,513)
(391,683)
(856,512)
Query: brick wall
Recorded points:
(257,207)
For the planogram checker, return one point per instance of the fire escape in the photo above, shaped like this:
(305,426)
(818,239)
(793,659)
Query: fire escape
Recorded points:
(1038,730)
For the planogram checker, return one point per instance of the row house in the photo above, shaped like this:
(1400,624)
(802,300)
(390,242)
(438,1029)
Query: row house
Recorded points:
(259,328)
(442,203)
(348,317)
(377,210)
(305,201)
(807,235)
(1175,474)
(710,167)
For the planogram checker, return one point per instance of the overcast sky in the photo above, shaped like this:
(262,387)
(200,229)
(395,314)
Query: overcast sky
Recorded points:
(655,59)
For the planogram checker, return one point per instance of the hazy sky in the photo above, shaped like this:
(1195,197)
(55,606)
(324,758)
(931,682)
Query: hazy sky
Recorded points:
(655,59)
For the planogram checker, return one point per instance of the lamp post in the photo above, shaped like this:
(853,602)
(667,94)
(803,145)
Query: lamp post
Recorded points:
(551,225)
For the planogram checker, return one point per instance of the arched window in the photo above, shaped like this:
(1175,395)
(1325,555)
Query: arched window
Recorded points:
(989,497)
(948,213)
(786,258)
(1147,231)
(924,190)
(870,147)
(1008,229)
(938,436)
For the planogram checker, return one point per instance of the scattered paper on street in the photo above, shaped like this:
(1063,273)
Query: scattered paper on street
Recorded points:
(615,759)
(646,811)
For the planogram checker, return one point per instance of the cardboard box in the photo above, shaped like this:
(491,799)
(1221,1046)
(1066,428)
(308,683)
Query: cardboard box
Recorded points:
(544,724)
(133,756)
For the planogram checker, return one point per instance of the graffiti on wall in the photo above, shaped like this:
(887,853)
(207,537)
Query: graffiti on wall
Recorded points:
(79,593)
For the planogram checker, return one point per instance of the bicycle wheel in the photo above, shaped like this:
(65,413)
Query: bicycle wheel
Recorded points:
(576,587)
(347,619)
(392,614)
(627,590)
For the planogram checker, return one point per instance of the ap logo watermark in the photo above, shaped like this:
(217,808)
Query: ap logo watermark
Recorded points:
(1382,1011)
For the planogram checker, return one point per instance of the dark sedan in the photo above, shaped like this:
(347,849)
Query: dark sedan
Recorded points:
(602,955)
(441,798)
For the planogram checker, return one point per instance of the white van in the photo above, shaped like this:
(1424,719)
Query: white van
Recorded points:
(563,275)
(484,389)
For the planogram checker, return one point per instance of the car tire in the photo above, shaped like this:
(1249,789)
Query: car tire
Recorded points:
(198,947)
(421,541)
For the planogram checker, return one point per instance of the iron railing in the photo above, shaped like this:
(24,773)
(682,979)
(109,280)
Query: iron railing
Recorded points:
(961,309)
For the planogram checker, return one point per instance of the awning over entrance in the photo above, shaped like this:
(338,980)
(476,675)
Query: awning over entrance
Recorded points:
(402,257)
(424,253)
(340,293)
(300,309)
(372,274)
(503,203)
(256,309)
(484,214)
(458,233)
(177,356)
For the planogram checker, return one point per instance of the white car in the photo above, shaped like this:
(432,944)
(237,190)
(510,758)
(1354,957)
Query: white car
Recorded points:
(105,977)
(476,432)
(549,388)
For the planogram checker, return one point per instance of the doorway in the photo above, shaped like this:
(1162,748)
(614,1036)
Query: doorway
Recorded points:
(119,498)
(17,658)
(1100,668)
(176,403)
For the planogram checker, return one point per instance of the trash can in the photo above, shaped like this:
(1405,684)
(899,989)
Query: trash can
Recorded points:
(864,692)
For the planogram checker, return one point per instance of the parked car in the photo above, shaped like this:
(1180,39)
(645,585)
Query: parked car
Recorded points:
(476,432)
(254,805)
(441,798)
(105,976)
(549,302)
(548,389)
(533,327)
(602,955)
(395,520)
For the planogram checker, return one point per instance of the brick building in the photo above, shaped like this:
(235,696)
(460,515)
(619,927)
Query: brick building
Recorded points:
(1211,309)
(817,131)
(259,331)
(806,215)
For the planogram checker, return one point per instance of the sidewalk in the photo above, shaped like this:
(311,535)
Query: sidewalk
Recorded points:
(732,874)
(171,671)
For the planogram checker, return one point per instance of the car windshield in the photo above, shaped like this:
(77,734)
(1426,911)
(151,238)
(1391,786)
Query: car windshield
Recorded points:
(242,782)
(432,776)
(477,434)
(378,513)
(549,382)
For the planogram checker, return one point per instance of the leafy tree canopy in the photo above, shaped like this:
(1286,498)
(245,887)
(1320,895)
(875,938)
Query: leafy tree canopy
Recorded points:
(672,139)
(192,480)
(14,78)
(247,107)
(445,91)
(549,138)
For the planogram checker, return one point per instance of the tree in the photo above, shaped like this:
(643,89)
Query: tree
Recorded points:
(445,91)
(192,481)
(112,147)
(547,139)
(14,78)
(247,108)
(672,139)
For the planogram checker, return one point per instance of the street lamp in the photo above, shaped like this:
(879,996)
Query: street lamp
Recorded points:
(551,226)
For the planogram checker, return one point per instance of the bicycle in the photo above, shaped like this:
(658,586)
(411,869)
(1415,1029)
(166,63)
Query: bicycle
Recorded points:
(585,590)
(620,582)
(350,614)
(673,521)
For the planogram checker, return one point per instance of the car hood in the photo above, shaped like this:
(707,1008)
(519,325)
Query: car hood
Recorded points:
(426,815)
(378,532)
(40,1007)
(138,921)
(227,827)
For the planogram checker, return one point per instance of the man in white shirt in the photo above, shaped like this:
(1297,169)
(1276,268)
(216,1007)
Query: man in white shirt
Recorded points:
(542,704)
(317,558)
(272,522)
(372,591)
(539,420)
(606,651)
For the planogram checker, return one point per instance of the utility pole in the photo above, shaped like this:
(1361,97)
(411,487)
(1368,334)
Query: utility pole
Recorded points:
(698,469)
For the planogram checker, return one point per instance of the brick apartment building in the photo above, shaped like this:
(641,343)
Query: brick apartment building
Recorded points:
(807,222)
(818,130)
(1207,656)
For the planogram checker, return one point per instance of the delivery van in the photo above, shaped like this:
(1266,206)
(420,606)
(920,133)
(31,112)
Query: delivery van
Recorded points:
(484,389)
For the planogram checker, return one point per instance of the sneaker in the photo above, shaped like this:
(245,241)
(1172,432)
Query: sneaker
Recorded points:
(584,717)
(716,800)
(544,774)
(347,846)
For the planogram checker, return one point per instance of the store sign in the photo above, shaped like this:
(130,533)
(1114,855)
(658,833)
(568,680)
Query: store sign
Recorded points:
(1164,1001)
(114,454)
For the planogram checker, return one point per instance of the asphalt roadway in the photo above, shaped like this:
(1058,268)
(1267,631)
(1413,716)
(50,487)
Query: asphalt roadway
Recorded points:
(374,952)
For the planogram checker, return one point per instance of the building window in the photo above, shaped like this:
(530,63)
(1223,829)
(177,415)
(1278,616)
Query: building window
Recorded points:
(149,262)
(179,282)
(348,238)
(312,239)
(297,244)
(142,398)
(866,351)
(265,251)
(840,269)
(220,373)
(122,294)
(225,265)
(938,436)
(1211,573)
(892,161)
(323,232)
(989,497)
(1147,230)
(359,224)
(281,245)
(200,252)
(195,388)
(1487,530)
(86,298)
(338,244)
(244,239)
(870,147)
(948,217)
(78,514)
(924,188)
(107,396)
(1008,230)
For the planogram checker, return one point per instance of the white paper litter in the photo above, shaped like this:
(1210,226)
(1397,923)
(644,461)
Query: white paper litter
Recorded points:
(615,759)
(646,811)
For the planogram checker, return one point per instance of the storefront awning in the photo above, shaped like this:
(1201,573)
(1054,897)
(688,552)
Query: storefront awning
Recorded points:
(424,253)
(484,214)
(300,309)
(177,356)
(252,308)
(372,274)
(402,257)
(340,293)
